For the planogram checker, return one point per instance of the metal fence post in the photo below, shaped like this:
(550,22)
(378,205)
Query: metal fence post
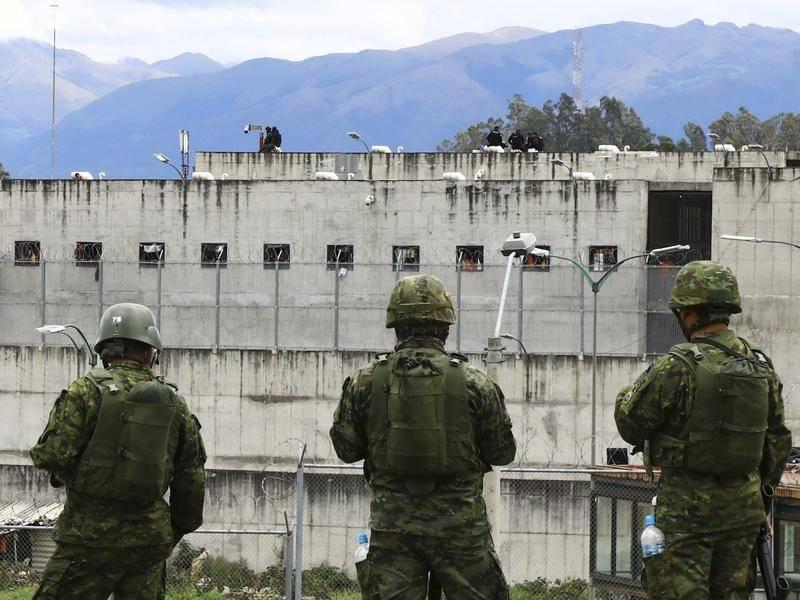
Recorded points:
(276,306)
(99,289)
(336,307)
(583,312)
(158,290)
(216,307)
(458,306)
(43,296)
(520,301)
(287,554)
(298,526)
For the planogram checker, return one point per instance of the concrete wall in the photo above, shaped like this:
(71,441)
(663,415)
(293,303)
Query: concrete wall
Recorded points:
(253,404)
(651,166)
(309,216)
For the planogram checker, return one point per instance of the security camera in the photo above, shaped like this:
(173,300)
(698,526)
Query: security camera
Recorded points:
(369,200)
(519,244)
(247,128)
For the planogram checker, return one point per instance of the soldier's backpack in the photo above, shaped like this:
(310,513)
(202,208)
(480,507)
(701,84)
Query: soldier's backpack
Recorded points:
(420,425)
(128,458)
(727,421)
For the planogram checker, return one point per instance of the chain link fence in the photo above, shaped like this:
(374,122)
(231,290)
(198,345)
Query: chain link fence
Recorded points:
(562,534)
(336,305)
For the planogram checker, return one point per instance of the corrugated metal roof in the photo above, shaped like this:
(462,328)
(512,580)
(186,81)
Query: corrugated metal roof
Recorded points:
(29,512)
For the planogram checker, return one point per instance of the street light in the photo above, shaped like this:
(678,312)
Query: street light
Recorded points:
(357,136)
(165,159)
(757,240)
(62,329)
(595,286)
(760,149)
(568,167)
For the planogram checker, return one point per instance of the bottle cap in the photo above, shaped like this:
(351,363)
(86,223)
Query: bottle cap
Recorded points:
(362,538)
(650,520)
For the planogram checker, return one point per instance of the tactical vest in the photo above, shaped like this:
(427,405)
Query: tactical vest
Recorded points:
(128,458)
(727,421)
(420,425)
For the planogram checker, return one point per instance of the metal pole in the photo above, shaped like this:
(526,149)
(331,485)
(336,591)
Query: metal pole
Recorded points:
(43,303)
(53,111)
(216,310)
(276,307)
(99,289)
(298,525)
(459,270)
(491,481)
(336,308)
(594,377)
(158,292)
(503,295)
(519,301)
(287,553)
(583,314)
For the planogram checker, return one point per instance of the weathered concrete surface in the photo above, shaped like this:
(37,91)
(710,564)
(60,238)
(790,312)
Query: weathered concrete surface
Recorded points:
(651,166)
(255,405)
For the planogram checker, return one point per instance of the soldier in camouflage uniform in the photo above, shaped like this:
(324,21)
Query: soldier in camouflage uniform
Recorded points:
(118,438)
(428,427)
(710,414)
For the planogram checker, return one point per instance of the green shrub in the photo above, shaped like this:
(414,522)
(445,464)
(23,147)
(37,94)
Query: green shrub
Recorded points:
(324,581)
(20,593)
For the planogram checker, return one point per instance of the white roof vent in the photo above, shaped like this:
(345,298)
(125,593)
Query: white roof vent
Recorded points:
(608,148)
(724,148)
(81,175)
(326,176)
(496,149)
(453,176)
(203,175)
(583,176)
(380,150)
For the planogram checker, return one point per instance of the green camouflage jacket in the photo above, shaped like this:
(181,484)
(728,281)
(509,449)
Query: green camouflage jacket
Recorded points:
(94,522)
(456,506)
(659,400)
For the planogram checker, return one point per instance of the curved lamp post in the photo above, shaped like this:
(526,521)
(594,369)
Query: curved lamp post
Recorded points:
(595,286)
(357,136)
(62,329)
(757,240)
(165,159)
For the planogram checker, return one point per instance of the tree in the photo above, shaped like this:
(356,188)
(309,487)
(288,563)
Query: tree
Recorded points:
(472,138)
(695,137)
(3,173)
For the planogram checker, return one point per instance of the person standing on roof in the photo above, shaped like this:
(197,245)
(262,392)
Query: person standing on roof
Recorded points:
(118,439)
(428,426)
(517,141)
(495,138)
(710,414)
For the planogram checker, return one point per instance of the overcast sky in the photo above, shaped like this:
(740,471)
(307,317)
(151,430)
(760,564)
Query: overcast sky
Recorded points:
(234,30)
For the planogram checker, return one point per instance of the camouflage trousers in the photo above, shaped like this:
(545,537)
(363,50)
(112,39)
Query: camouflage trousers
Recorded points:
(88,573)
(398,566)
(716,566)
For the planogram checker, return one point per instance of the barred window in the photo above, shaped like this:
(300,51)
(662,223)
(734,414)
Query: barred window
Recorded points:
(88,253)
(277,255)
(602,258)
(340,256)
(213,253)
(470,258)
(405,258)
(27,253)
(538,263)
(152,253)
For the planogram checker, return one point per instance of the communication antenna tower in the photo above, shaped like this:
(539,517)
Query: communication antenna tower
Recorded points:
(53,111)
(577,66)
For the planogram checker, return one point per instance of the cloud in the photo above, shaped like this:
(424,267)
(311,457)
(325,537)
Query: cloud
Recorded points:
(236,30)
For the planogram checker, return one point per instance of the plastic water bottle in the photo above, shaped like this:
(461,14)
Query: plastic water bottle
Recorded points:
(362,549)
(652,538)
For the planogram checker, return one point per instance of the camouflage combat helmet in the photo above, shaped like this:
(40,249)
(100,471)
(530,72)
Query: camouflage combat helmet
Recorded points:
(706,283)
(419,299)
(128,321)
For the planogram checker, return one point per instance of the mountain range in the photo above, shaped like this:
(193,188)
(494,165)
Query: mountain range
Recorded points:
(413,97)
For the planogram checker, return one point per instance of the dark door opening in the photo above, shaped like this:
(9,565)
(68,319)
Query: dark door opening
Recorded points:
(673,217)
